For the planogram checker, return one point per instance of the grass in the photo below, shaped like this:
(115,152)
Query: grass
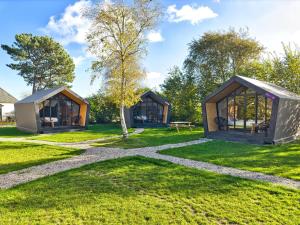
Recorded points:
(93,132)
(141,191)
(280,160)
(153,137)
(16,156)
(6,123)
(13,132)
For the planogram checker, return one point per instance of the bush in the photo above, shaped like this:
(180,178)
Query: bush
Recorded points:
(102,110)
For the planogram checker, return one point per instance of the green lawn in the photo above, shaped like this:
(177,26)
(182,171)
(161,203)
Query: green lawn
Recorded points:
(281,160)
(12,132)
(16,156)
(153,137)
(93,132)
(141,191)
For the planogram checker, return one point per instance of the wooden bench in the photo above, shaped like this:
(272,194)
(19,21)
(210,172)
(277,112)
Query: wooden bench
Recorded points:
(181,124)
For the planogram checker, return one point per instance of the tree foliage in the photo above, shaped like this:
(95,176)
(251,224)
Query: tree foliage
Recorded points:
(102,109)
(217,56)
(42,62)
(281,70)
(181,91)
(117,39)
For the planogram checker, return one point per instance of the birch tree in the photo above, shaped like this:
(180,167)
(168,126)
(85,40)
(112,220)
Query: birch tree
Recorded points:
(117,38)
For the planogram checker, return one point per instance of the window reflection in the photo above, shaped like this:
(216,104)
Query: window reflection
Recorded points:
(59,110)
(245,110)
(148,111)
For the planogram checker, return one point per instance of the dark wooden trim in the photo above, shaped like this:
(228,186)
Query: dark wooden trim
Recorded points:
(234,116)
(256,107)
(204,119)
(245,110)
(237,80)
(227,125)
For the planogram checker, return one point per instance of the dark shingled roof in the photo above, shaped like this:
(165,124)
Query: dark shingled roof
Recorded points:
(272,88)
(42,95)
(6,97)
(256,84)
(156,97)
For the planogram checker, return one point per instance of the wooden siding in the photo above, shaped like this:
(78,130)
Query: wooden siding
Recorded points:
(165,114)
(83,107)
(211,112)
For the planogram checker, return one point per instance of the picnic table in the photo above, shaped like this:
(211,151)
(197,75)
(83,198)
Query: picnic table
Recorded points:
(181,124)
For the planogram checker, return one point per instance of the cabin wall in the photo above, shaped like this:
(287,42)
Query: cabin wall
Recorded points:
(211,114)
(128,117)
(288,120)
(26,119)
(165,114)
(83,114)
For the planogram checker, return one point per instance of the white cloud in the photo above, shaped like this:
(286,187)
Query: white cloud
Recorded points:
(280,23)
(155,36)
(193,14)
(71,26)
(78,60)
(153,79)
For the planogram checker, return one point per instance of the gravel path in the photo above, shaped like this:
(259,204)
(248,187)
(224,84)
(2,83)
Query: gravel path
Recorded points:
(225,170)
(93,155)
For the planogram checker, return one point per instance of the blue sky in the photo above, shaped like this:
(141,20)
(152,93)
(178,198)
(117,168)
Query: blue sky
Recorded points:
(270,22)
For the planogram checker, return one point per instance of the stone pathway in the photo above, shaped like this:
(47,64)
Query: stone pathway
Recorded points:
(93,155)
(225,170)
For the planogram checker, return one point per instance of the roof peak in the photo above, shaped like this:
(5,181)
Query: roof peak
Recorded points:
(44,94)
(5,97)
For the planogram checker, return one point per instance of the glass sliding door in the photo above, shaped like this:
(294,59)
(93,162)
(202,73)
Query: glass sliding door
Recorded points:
(245,110)
(239,111)
(231,112)
(250,109)
(59,111)
(148,112)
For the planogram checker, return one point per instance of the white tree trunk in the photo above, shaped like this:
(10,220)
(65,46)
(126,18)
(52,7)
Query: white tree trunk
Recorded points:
(123,122)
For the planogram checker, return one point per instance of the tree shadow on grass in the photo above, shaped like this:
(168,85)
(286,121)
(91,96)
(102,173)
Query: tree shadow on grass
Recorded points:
(13,132)
(28,154)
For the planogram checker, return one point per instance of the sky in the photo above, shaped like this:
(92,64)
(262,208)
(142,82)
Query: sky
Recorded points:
(270,22)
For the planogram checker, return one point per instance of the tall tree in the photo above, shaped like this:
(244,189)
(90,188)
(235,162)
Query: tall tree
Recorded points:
(42,62)
(283,70)
(181,91)
(117,39)
(217,56)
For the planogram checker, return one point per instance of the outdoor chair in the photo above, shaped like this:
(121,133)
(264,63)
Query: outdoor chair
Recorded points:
(262,127)
(221,122)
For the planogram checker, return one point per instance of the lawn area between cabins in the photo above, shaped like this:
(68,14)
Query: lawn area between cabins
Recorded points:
(16,156)
(93,132)
(280,160)
(154,137)
(138,190)
(13,132)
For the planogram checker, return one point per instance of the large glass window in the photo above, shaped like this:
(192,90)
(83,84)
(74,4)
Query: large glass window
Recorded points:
(59,111)
(148,111)
(250,108)
(246,111)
